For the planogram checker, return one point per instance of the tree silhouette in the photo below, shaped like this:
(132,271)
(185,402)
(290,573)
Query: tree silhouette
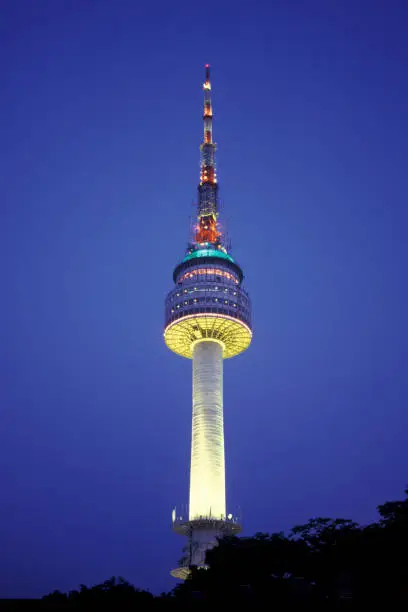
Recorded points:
(325,564)
(329,564)
(113,594)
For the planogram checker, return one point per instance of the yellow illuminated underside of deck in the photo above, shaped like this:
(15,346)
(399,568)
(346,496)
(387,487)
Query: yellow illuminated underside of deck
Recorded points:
(181,334)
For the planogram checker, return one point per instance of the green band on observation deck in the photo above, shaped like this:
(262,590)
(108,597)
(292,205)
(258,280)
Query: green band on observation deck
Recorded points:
(208,253)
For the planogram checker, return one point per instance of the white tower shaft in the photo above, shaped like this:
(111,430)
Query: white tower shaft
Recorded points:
(207,475)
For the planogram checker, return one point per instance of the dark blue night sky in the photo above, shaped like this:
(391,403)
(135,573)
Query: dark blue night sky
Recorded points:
(100,119)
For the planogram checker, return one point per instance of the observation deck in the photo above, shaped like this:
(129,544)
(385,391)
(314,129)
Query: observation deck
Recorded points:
(208,302)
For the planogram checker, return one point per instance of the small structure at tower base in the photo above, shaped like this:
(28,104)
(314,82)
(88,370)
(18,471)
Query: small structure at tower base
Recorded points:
(203,534)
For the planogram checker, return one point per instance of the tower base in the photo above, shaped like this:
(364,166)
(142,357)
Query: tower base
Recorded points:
(202,534)
(181,573)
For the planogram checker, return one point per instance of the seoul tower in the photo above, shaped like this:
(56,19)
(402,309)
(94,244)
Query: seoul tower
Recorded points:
(207,320)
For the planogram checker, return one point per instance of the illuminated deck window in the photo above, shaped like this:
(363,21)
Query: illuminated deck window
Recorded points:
(208,272)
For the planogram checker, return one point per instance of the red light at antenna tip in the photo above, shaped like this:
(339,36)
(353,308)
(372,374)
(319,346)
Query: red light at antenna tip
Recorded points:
(207,66)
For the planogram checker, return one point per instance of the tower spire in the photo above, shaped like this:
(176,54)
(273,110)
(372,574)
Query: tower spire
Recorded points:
(207,231)
(207,107)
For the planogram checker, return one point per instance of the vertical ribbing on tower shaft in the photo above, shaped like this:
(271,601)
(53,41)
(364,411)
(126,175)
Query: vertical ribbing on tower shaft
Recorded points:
(207,475)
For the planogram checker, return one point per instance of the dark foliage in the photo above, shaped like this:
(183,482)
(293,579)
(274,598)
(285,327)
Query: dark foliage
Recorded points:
(113,594)
(326,564)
